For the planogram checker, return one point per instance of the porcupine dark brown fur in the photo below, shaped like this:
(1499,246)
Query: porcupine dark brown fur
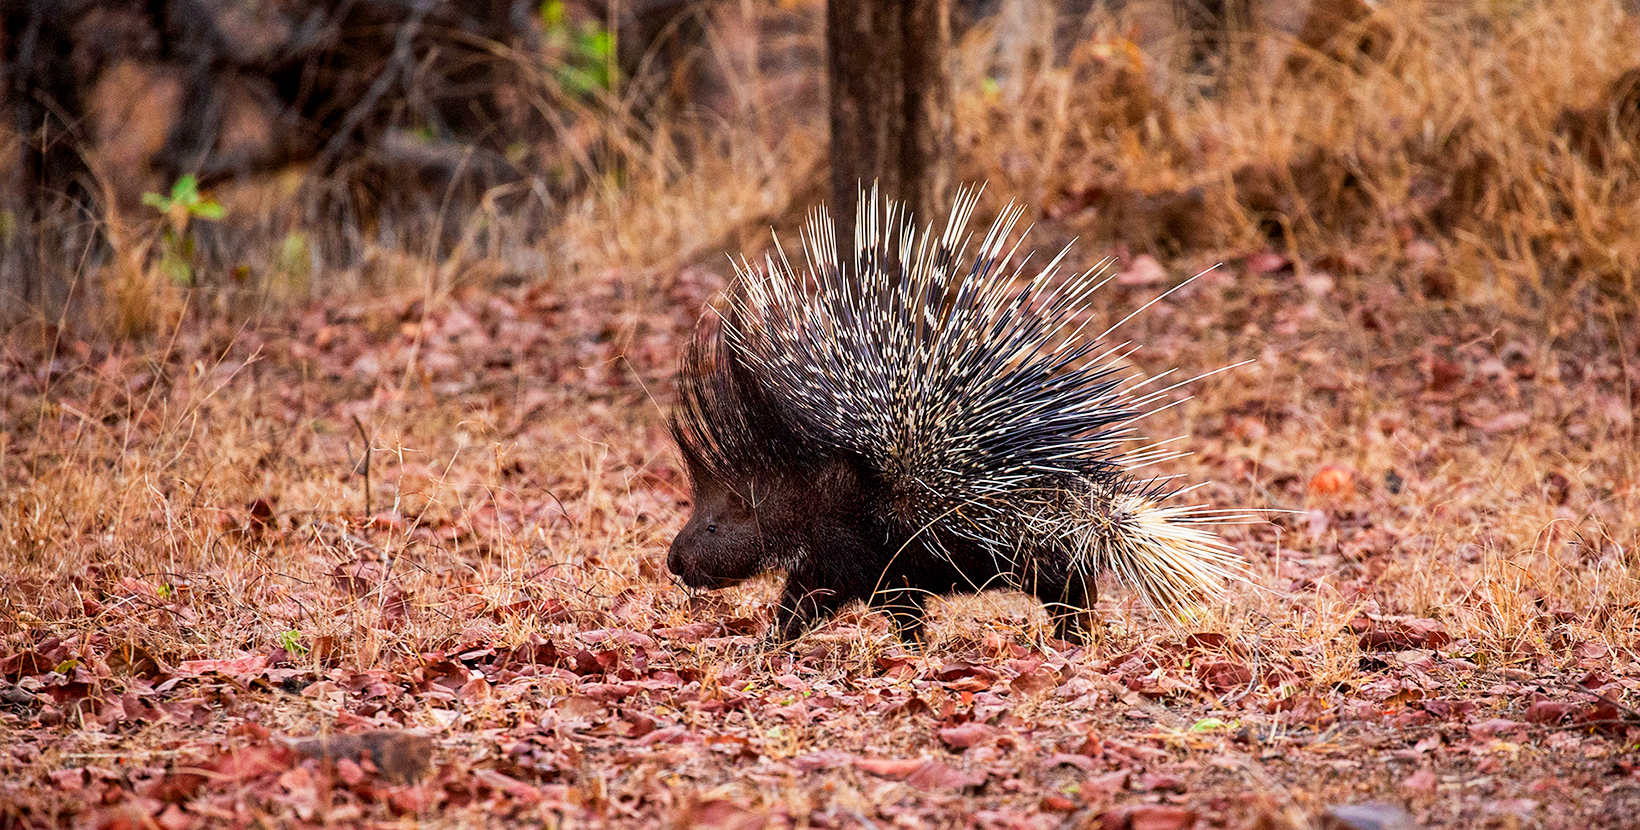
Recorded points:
(917,426)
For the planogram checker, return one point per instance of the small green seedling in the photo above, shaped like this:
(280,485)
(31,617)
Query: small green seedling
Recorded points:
(178,251)
(291,641)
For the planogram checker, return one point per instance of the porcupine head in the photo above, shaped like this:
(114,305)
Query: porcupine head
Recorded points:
(765,498)
(918,425)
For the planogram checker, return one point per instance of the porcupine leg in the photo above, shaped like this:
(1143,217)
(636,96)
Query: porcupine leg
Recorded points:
(904,607)
(804,603)
(1072,611)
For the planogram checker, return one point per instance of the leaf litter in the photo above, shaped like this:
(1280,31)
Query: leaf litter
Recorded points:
(402,560)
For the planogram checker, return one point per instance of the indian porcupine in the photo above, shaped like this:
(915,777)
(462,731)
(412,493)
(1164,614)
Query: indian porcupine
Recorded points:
(913,426)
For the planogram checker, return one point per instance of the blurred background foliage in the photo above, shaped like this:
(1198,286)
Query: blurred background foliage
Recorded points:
(224,155)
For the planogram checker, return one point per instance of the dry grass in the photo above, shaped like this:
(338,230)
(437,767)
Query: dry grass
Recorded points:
(1453,136)
(1443,400)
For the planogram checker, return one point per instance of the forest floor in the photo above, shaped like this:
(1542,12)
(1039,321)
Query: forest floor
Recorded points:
(401,561)
(333,552)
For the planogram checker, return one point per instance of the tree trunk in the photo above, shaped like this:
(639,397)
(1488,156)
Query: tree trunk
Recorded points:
(891,120)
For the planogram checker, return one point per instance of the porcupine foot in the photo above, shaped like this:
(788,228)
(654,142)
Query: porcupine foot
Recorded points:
(801,606)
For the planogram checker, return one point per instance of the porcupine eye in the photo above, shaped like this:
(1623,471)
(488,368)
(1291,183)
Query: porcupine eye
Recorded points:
(711,528)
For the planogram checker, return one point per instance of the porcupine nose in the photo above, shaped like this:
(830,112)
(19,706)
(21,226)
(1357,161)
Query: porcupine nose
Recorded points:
(678,564)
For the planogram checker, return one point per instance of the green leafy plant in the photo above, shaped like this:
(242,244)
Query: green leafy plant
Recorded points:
(587,65)
(178,251)
(291,641)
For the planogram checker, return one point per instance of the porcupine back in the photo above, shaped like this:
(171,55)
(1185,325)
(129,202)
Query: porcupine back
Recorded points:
(952,402)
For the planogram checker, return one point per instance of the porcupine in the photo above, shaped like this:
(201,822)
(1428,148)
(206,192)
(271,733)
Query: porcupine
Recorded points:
(913,427)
